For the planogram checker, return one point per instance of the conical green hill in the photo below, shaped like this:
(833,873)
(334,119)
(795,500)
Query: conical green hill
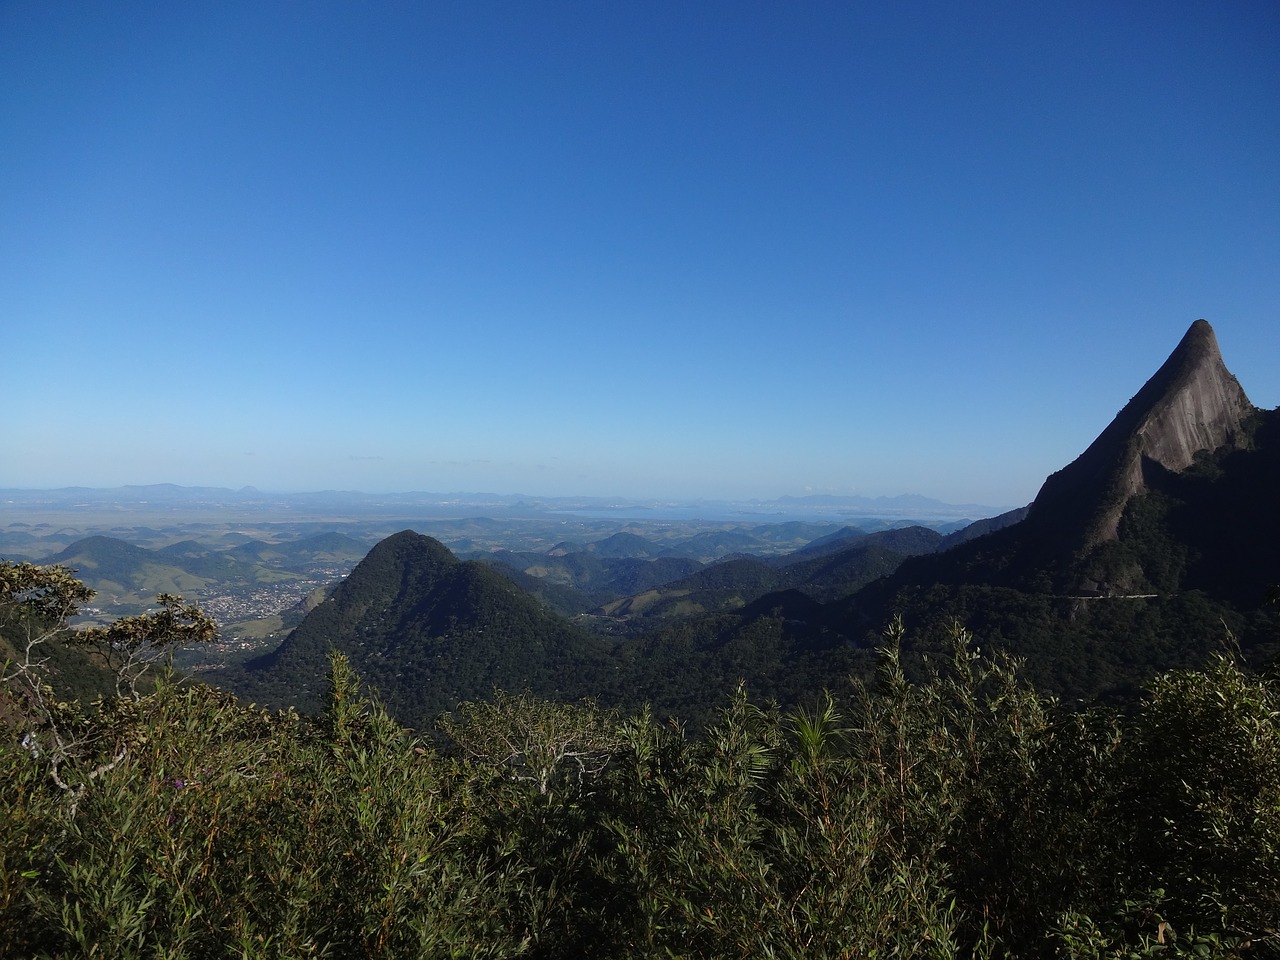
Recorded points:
(427,631)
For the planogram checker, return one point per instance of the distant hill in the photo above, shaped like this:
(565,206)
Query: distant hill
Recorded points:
(318,548)
(428,630)
(115,568)
(579,581)
(829,543)
(715,544)
(167,500)
(559,597)
(625,545)
(832,569)
(126,576)
(728,585)
(980,528)
(834,575)
(908,540)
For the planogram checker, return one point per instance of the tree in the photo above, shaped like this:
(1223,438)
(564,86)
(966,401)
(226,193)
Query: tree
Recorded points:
(549,745)
(36,603)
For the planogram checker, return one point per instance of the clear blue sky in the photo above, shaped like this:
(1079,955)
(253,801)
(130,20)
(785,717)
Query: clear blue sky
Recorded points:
(638,249)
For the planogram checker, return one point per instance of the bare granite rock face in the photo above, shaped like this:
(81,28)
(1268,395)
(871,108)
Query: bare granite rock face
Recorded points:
(1191,404)
(1203,410)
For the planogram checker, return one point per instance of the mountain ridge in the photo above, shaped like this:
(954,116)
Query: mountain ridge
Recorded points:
(1192,404)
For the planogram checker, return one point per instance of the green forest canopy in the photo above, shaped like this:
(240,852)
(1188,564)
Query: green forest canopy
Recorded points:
(963,815)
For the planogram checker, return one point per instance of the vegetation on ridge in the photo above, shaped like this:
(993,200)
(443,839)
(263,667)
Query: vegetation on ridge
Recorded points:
(961,816)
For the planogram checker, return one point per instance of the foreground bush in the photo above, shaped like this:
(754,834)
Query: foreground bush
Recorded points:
(963,816)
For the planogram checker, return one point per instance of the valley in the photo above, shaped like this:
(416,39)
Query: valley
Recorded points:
(253,570)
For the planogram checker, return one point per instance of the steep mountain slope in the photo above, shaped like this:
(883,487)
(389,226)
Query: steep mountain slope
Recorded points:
(1191,408)
(1140,555)
(1192,405)
(428,631)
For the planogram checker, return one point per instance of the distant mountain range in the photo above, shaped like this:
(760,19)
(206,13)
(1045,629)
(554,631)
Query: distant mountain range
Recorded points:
(168,498)
(1138,556)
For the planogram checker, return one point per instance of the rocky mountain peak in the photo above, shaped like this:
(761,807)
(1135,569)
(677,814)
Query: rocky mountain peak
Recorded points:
(1193,403)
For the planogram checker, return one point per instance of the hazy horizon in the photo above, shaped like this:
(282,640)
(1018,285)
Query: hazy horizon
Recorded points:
(628,250)
(558,501)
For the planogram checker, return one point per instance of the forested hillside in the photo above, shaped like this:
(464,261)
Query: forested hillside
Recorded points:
(963,815)
(429,631)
